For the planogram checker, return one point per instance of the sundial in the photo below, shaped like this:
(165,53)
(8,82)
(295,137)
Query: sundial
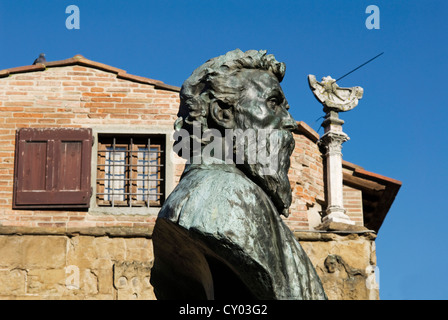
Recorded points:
(333,97)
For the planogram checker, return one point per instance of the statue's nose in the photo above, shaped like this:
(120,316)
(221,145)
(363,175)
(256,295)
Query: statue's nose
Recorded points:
(288,122)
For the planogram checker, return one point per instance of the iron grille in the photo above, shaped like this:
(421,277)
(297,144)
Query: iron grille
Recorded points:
(130,171)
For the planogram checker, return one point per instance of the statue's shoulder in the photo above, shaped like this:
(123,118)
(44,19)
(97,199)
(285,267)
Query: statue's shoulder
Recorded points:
(216,181)
(210,190)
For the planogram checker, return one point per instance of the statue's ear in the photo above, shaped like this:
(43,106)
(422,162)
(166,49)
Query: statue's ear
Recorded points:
(222,114)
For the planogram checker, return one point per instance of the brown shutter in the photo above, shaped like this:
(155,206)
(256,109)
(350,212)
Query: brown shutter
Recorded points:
(52,168)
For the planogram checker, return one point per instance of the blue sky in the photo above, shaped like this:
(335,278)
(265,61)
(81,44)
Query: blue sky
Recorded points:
(397,130)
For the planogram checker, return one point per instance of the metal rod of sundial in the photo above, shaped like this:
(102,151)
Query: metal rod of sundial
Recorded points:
(359,67)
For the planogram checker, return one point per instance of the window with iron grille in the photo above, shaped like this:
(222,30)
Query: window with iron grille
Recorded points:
(130,171)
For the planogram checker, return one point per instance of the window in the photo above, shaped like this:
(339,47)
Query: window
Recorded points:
(130,170)
(52,168)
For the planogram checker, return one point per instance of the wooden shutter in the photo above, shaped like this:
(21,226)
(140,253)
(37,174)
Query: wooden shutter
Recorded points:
(52,168)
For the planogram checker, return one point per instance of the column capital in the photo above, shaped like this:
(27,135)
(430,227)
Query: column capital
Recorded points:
(332,142)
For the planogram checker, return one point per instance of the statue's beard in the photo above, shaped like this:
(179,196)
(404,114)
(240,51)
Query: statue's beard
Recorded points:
(272,176)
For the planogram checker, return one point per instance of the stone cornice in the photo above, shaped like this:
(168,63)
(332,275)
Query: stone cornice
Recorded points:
(132,232)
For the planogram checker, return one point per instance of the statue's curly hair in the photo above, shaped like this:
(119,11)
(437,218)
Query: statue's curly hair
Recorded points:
(210,82)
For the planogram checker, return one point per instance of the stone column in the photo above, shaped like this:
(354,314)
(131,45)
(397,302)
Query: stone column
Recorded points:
(331,143)
(334,100)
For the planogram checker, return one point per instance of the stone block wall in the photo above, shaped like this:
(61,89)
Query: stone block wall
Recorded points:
(75,266)
(345,263)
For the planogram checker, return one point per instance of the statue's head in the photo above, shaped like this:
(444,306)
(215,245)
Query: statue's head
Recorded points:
(235,89)
(241,91)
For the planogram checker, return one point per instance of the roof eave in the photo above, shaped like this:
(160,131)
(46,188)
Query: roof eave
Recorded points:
(82,61)
(378,193)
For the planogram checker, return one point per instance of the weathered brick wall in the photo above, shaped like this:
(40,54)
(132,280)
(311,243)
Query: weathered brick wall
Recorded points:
(353,204)
(80,96)
(74,96)
(307,180)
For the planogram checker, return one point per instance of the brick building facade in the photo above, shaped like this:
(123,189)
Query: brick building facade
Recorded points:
(79,127)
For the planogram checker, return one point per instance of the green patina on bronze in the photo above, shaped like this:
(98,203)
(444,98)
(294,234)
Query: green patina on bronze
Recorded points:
(220,233)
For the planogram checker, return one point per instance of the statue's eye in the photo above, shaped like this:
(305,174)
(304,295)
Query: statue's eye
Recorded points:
(273,102)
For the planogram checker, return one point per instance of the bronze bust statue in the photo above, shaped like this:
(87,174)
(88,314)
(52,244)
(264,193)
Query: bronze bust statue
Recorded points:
(220,234)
